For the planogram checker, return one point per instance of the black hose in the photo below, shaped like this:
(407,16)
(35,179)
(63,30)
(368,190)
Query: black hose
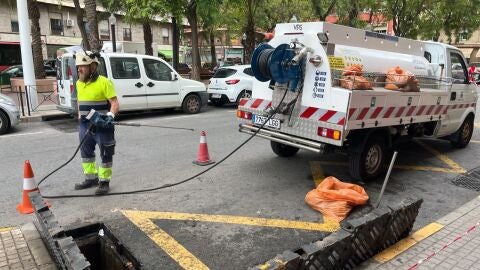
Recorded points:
(166,185)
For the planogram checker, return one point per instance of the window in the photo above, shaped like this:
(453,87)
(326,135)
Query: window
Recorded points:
(104,34)
(248,71)
(14,25)
(127,34)
(463,36)
(56,26)
(459,69)
(165,36)
(157,70)
(224,73)
(124,68)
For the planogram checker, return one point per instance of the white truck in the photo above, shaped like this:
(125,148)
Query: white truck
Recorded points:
(142,82)
(311,102)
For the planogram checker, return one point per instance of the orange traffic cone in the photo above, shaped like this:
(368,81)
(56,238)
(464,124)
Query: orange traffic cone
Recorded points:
(203,157)
(29,185)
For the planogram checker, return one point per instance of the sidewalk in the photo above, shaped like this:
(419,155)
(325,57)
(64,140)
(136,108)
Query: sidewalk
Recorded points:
(46,109)
(22,248)
(452,242)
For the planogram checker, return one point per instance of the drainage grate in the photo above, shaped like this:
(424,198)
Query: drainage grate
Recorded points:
(469,180)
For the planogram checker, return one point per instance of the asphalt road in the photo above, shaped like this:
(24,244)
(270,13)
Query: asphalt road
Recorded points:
(253,183)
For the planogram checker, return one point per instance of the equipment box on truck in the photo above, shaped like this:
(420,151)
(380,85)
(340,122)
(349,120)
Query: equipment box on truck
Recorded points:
(336,87)
(141,82)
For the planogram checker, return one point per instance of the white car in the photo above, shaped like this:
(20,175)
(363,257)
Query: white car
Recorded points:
(9,114)
(230,84)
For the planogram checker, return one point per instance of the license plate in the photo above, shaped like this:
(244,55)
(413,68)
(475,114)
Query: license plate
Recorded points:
(272,122)
(216,95)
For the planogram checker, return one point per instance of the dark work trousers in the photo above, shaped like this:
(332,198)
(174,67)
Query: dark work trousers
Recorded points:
(105,139)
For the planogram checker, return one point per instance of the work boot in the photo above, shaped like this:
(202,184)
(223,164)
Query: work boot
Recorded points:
(86,184)
(102,188)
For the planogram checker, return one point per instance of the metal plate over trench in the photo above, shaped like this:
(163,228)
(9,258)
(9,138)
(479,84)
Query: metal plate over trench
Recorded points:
(358,240)
(469,180)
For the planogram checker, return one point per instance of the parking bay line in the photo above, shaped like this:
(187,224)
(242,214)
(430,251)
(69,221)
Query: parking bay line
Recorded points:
(403,167)
(21,134)
(455,166)
(143,220)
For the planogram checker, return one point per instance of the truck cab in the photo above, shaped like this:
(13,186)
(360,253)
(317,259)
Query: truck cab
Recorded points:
(142,82)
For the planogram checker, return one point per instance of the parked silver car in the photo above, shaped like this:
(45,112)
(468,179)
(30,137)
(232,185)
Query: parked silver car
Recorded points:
(9,114)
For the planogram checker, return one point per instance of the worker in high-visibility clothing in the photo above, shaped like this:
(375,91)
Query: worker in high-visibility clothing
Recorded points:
(96,92)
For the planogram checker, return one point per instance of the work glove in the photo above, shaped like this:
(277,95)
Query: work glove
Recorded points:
(96,118)
(108,118)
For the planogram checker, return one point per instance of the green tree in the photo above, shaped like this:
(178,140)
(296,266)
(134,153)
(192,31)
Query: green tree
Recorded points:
(281,11)
(323,8)
(211,20)
(143,12)
(406,16)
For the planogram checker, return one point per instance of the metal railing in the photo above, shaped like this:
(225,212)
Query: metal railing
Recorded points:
(46,97)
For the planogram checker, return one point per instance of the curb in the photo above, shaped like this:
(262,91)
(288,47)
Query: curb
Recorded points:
(44,117)
(444,221)
(37,247)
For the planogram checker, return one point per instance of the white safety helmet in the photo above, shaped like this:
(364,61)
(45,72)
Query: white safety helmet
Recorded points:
(83,59)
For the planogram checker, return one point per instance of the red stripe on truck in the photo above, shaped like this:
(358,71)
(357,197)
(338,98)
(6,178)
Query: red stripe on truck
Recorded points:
(327,115)
(257,103)
(376,112)
(308,112)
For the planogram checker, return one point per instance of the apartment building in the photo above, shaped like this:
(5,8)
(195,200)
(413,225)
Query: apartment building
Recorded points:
(58,24)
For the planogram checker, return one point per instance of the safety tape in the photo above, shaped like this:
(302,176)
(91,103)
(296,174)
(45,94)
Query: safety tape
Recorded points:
(443,247)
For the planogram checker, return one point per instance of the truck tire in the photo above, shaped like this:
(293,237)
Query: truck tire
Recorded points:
(244,94)
(191,104)
(369,163)
(4,122)
(283,150)
(462,136)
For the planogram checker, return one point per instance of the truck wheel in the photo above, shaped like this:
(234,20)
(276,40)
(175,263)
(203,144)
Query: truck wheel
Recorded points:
(369,163)
(244,94)
(191,104)
(4,123)
(283,150)
(462,136)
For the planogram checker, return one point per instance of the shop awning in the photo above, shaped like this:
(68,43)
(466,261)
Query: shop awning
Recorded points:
(166,53)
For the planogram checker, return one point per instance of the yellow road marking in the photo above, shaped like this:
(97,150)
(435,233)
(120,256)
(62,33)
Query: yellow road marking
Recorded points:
(327,226)
(317,172)
(477,125)
(404,244)
(143,220)
(474,141)
(6,229)
(176,251)
(403,167)
(455,166)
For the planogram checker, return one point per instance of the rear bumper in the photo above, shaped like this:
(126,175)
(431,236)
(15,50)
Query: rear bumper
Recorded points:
(294,141)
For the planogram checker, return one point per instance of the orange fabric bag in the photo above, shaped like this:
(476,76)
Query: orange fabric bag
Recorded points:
(335,198)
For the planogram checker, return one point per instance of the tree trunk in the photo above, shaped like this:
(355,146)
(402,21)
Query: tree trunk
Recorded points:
(91,12)
(213,51)
(81,25)
(34,16)
(147,37)
(353,13)
(192,20)
(250,32)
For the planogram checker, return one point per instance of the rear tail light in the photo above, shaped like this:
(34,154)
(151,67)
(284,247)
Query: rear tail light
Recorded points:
(244,115)
(71,88)
(235,81)
(329,133)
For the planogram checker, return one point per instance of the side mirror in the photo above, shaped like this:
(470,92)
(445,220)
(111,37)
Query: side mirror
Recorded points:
(173,76)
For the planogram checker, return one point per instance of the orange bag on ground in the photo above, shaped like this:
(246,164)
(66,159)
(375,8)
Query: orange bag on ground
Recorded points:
(335,198)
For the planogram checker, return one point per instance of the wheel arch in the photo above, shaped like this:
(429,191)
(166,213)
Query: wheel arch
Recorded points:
(359,137)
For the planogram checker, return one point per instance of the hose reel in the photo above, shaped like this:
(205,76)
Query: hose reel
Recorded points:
(281,64)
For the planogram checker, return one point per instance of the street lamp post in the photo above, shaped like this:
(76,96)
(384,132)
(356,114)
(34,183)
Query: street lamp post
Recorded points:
(244,43)
(113,21)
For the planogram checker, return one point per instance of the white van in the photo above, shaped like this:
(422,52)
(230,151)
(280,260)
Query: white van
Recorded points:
(141,82)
